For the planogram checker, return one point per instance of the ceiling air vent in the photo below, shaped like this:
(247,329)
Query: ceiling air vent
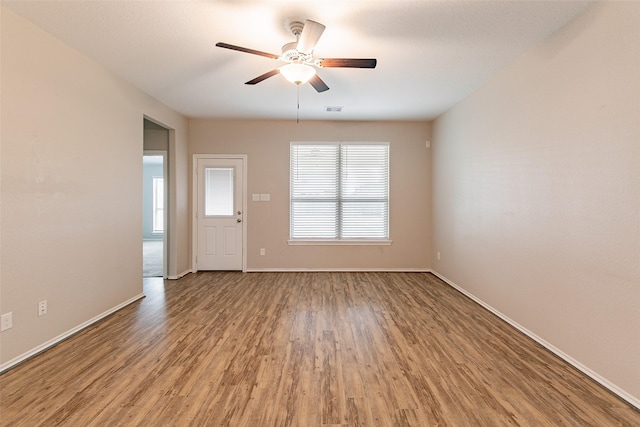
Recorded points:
(334,109)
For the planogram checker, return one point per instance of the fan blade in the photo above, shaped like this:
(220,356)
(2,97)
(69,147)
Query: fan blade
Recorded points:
(263,77)
(244,49)
(318,84)
(347,63)
(310,35)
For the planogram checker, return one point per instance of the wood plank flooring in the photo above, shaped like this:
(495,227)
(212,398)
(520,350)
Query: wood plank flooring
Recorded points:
(303,349)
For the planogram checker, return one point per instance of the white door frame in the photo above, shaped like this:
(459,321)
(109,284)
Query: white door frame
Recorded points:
(194,208)
(165,233)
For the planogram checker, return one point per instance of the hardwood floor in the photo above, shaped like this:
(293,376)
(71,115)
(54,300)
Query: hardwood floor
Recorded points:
(303,349)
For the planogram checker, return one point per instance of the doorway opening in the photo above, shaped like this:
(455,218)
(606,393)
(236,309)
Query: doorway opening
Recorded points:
(153,210)
(155,207)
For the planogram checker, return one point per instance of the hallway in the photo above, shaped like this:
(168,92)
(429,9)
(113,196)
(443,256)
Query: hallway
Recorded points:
(152,258)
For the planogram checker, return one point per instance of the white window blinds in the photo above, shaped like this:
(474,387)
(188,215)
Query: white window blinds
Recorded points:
(339,191)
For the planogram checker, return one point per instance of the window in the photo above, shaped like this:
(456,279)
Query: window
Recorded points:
(339,191)
(158,204)
(218,190)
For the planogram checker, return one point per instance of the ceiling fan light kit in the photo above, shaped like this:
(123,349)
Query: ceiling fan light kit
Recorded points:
(301,65)
(297,73)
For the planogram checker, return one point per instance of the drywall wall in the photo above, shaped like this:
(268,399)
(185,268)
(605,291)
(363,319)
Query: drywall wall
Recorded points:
(71,189)
(266,143)
(536,192)
(155,136)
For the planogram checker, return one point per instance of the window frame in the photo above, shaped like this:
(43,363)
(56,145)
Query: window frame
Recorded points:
(157,205)
(340,241)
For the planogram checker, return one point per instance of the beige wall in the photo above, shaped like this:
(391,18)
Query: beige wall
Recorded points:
(71,195)
(266,143)
(536,192)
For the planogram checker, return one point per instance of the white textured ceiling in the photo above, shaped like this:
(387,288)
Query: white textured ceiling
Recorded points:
(431,54)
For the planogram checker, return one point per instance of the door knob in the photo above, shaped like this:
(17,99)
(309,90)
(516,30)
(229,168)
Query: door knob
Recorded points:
(238,220)
(239,213)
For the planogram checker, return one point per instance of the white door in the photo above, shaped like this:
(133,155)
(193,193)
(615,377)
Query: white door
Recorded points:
(219,213)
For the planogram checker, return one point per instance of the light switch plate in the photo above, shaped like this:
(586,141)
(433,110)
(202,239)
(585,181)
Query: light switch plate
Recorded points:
(6,321)
(255,197)
(265,197)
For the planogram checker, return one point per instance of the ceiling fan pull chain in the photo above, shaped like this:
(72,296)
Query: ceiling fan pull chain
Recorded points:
(298,109)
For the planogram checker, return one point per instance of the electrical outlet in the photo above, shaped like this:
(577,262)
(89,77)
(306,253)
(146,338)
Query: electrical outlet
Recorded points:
(6,321)
(263,251)
(42,308)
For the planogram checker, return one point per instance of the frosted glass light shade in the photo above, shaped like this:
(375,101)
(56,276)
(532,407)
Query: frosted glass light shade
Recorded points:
(297,73)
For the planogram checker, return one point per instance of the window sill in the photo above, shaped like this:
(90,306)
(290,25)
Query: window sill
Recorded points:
(362,242)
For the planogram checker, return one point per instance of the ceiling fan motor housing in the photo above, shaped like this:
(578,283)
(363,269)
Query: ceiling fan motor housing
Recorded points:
(291,54)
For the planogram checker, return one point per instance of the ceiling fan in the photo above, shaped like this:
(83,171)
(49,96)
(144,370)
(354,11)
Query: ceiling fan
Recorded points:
(301,65)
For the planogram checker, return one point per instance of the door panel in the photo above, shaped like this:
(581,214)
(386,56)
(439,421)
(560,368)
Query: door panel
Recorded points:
(219,213)
(230,241)
(209,240)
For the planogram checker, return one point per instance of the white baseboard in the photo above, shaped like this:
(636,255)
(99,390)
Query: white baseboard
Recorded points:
(64,336)
(179,276)
(338,270)
(582,368)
